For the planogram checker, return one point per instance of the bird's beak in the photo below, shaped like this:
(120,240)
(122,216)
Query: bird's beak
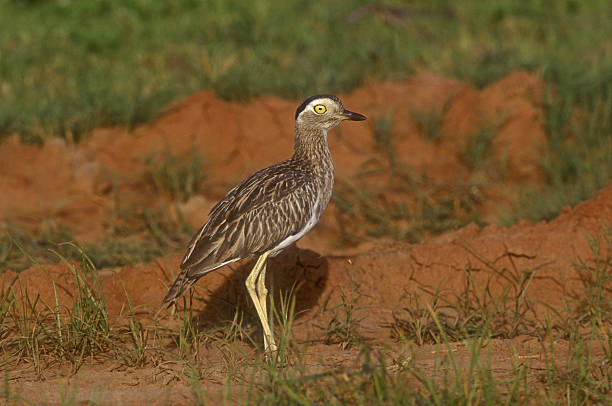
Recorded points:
(349,115)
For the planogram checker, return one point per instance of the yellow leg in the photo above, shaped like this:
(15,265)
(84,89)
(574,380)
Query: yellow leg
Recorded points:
(262,292)
(252,283)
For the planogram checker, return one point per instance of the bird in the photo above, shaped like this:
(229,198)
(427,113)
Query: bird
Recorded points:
(269,210)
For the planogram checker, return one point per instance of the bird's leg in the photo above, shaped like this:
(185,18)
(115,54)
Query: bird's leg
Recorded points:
(262,292)
(251,288)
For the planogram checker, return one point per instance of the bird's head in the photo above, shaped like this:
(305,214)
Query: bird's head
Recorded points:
(324,111)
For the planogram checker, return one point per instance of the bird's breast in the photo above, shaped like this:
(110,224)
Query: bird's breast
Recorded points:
(315,214)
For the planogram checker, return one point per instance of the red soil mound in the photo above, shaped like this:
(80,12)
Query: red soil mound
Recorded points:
(72,184)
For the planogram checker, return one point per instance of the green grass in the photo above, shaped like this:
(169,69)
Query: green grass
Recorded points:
(37,242)
(434,316)
(176,177)
(136,354)
(44,334)
(68,66)
(478,147)
(383,136)
(343,328)
(430,122)
(137,235)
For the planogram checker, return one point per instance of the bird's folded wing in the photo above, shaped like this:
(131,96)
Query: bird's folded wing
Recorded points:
(252,218)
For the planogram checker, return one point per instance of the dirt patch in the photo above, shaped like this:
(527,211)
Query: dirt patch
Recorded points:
(106,387)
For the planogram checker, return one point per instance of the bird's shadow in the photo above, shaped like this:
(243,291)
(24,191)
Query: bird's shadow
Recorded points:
(301,272)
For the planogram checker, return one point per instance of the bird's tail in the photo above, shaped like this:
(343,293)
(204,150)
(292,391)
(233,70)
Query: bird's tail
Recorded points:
(186,278)
(180,285)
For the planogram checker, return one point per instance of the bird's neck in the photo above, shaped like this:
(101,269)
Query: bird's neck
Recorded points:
(311,147)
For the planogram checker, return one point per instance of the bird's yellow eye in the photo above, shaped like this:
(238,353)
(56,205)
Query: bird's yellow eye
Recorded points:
(320,109)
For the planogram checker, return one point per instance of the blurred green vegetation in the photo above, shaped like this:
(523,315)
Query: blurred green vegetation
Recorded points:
(138,235)
(67,66)
(578,161)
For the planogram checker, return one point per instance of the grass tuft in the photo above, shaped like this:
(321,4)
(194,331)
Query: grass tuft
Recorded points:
(41,333)
(179,178)
(383,126)
(344,327)
(474,312)
(430,122)
(477,148)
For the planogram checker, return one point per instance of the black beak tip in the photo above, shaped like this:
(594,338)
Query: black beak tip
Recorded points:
(350,115)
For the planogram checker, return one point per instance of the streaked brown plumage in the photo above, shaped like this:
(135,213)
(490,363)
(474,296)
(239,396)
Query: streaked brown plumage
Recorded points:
(271,208)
